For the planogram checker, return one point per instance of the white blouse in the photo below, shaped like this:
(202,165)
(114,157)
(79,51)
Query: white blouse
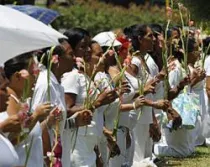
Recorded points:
(56,97)
(36,149)
(9,157)
(77,83)
(102,81)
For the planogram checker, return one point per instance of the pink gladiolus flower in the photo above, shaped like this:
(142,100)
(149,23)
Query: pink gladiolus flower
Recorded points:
(57,163)
(79,59)
(111,52)
(57,112)
(79,65)
(24,74)
(127,62)
(168,11)
(35,69)
(24,107)
(55,59)
(58,149)
(90,91)
(191,23)
(22,116)
(198,32)
(27,121)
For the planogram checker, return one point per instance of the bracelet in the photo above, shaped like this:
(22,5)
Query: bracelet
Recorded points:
(71,123)
(134,105)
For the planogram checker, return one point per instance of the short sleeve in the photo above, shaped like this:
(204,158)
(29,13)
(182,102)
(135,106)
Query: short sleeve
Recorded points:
(174,77)
(70,82)
(137,62)
(39,95)
(207,66)
(102,81)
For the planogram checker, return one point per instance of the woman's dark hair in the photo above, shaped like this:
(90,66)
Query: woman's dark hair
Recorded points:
(128,31)
(94,42)
(156,28)
(17,63)
(58,50)
(134,32)
(75,35)
(189,44)
(206,43)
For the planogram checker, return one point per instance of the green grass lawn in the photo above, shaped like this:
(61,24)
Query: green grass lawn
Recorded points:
(201,158)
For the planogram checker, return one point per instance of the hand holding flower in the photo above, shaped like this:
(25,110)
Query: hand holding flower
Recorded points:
(161,104)
(54,115)
(11,124)
(106,97)
(83,118)
(139,101)
(125,88)
(42,111)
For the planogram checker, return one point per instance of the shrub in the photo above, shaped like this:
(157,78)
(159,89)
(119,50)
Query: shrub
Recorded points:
(97,16)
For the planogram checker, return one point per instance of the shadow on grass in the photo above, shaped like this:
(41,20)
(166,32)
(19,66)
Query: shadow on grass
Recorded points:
(201,154)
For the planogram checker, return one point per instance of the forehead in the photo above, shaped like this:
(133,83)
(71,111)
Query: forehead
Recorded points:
(149,30)
(96,47)
(66,45)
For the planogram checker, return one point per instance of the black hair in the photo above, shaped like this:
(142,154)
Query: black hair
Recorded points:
(128,31)
(206,43)
(61,40)
(75,35)
(156,28)
(17,63)
(134,32)
(94,42)
(189,44)
(58,50)
(177,28)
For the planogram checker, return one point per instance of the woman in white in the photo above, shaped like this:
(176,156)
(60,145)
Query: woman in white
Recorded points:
(102,81)
(141,38)
(76,85)
(206,131)
(17,75)
(179,143)
(64,64)
(12,124)
(9,158)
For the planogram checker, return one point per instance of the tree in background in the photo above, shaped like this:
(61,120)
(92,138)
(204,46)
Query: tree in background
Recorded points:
(200,9)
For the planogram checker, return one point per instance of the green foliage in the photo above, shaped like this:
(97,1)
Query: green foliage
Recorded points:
(97,16)
(200,11)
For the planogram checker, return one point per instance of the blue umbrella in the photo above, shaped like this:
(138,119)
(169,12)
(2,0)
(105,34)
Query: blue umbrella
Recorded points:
(44,15)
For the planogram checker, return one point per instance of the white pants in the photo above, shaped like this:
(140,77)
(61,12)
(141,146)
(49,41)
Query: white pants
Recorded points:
(104,150)
(8,156)
(180,143)
(141,134)
(121,141)
(83,154)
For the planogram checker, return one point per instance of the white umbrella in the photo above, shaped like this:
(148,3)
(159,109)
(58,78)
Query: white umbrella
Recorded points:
(20,33)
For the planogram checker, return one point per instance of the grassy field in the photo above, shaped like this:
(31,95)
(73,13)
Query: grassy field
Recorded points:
(201,158)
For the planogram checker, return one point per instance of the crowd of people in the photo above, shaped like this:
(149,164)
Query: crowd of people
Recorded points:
(118,99)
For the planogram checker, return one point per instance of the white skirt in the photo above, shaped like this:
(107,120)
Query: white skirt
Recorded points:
(9,156)
(83,154)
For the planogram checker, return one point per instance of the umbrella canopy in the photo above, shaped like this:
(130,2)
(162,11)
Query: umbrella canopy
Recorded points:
(20,33)
(47,16)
